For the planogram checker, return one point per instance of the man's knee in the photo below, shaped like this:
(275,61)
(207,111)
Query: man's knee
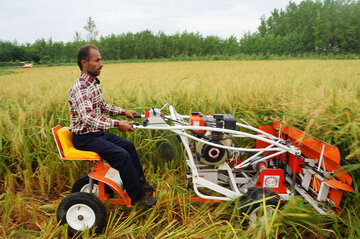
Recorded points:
(124,143)
(132,146)
(129,146)
(115,154)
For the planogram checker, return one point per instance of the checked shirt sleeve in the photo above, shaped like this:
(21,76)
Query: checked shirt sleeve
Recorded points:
(87,114)
(111,110)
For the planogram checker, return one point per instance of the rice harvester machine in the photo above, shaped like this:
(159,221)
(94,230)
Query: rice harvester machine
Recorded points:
(284,162)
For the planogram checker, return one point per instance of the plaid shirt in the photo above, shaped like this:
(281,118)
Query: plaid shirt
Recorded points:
(86,104)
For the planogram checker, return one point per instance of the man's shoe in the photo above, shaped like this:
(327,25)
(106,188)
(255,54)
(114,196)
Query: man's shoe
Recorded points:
(148,188)
(146,201)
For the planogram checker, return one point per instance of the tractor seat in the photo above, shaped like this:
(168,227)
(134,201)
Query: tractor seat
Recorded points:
(67,151)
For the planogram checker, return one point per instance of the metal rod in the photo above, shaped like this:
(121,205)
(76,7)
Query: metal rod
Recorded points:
(322,158)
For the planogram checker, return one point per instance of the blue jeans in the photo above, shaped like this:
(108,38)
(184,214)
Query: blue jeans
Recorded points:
(120,154)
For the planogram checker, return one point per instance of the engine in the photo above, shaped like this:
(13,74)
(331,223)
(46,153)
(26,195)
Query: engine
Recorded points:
(209,154)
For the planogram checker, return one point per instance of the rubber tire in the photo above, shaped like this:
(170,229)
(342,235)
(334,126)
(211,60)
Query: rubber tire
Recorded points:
(84,180)
(256,194)
(86,199)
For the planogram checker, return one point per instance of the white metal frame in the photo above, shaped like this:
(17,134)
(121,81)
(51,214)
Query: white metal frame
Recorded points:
(277,146)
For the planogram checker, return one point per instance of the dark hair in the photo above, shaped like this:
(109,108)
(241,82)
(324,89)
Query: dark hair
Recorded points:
(84,53)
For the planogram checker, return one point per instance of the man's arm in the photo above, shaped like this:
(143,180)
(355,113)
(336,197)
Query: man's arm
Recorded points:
(86,112)
(113,110)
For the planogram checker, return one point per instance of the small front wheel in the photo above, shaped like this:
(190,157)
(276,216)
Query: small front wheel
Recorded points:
(252,208)
(80,211)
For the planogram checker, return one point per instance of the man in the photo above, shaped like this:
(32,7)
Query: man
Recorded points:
(86,104)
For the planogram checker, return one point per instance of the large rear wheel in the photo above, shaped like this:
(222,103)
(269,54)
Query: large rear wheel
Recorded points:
(82,184)
(80,211)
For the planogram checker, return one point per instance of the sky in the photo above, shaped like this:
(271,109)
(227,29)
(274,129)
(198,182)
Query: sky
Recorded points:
(29,20)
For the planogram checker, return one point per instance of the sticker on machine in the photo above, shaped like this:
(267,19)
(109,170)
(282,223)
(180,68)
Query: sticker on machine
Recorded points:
(271,181)
(196,123)
(114,176)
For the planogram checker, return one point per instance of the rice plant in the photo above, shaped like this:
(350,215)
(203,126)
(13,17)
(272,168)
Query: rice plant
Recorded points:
(320,97)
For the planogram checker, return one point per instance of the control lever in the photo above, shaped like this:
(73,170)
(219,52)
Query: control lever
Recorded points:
(166,105)
(146,122)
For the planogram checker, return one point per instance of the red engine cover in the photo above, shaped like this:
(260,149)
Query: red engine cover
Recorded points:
(197,120)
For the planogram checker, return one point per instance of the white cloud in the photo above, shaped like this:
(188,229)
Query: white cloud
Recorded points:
(28,20)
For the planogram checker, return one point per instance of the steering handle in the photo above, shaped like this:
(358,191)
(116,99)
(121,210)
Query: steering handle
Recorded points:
(137,116)
(134,125)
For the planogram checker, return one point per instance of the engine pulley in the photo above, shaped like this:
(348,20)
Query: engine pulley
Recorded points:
(212,155)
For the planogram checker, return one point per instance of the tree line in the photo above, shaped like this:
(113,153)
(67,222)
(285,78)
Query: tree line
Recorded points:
(310,27)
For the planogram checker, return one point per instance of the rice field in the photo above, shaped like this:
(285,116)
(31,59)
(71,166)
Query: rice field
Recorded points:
(320,97)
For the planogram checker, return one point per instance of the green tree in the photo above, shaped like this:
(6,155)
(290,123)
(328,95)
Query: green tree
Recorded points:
(92,32)
(77,37)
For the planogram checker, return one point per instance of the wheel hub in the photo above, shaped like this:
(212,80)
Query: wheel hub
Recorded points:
(80,216)
(259,213)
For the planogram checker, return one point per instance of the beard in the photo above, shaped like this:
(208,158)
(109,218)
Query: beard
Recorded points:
(94,73)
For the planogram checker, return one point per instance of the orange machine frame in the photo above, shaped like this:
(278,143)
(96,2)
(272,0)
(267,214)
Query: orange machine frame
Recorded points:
(311,148)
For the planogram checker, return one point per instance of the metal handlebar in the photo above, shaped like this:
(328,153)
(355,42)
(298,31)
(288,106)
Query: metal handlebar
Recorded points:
(137,116)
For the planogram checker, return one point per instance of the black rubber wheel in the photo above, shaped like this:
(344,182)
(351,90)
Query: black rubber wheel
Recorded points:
(82,185)
(253,211)
(80,211)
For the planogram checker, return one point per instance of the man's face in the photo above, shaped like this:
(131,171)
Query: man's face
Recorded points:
(94,65)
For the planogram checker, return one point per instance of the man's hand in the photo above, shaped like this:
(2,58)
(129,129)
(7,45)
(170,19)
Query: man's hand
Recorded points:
(125,126)
(129,113)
